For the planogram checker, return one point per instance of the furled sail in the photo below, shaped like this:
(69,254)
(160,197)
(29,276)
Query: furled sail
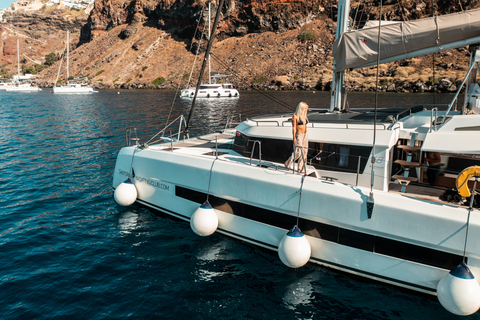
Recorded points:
(402,40)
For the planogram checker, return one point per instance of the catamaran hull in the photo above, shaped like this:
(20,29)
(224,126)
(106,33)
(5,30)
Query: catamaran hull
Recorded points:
(407,242)
(219,93)
(23,89)
(73,90)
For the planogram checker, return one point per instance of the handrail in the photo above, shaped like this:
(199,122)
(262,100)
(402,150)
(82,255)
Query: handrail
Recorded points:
(432,120)
(181,118)
(230,120)
(131,135)
(259,152)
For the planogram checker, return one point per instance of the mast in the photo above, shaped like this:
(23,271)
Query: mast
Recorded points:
(209,35)
(18,59)
(337,79)
(68,45)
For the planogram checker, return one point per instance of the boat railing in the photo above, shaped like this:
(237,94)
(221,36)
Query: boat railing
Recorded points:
(260,122)
(131,136)
(232,120)
(259,152)
(433,115)
(181,123)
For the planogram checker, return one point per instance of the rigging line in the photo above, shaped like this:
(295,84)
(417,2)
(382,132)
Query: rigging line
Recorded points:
(210,177)
(60,67)
(300,195)
(402,8)
(185,67)
(472,196)
(356,13)
(376,95)
(205,58)
(433,54)
(198,47)
(266,94)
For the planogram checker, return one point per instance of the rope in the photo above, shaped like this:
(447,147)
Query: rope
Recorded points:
(376,97)
(210,178)
(468,218)
(60,67)
(266,94)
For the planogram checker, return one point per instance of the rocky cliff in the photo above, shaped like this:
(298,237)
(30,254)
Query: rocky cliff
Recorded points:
(124,43)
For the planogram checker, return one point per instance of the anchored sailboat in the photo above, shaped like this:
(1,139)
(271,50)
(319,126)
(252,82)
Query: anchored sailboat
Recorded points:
(19,83)
(71,87)
(360,208)
(212,89)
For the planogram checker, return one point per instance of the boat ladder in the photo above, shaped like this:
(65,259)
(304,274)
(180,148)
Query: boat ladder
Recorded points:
(407,164)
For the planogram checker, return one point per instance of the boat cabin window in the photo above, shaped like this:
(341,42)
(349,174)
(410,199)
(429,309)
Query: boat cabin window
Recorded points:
(323,156)
(339,157)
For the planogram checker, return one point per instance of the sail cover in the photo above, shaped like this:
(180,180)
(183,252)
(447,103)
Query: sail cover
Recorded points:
(402,40)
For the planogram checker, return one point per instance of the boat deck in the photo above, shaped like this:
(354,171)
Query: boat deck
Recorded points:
(420,192)
(223,141)
(209,141)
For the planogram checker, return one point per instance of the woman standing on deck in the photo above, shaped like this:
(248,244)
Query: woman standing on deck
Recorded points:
(300,137)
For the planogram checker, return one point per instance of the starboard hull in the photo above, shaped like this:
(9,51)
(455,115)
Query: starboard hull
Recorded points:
(410,243)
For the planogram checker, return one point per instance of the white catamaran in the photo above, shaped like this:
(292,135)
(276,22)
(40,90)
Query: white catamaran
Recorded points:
(361,207)
(212,89)
(71,87)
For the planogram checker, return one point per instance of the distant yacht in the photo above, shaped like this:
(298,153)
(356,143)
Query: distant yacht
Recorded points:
(20,83)
(71,87)
(212,90)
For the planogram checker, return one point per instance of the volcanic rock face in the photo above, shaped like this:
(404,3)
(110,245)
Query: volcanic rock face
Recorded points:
(180,17)
(39,33)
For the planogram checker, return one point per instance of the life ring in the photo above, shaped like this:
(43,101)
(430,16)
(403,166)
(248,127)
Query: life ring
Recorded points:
(462,180)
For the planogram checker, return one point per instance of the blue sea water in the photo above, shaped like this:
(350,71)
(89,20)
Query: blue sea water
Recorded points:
(68,251)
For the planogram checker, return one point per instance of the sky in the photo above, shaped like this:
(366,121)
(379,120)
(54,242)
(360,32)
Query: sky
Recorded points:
(5,3)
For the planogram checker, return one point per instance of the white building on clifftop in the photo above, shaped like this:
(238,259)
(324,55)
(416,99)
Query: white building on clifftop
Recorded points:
(31,5)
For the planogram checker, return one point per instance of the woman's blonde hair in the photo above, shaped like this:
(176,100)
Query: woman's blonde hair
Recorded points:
(300,112)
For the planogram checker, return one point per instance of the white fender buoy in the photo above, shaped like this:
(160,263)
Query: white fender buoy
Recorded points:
(204,220)
(459,292)
(126,193)
(294,249)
